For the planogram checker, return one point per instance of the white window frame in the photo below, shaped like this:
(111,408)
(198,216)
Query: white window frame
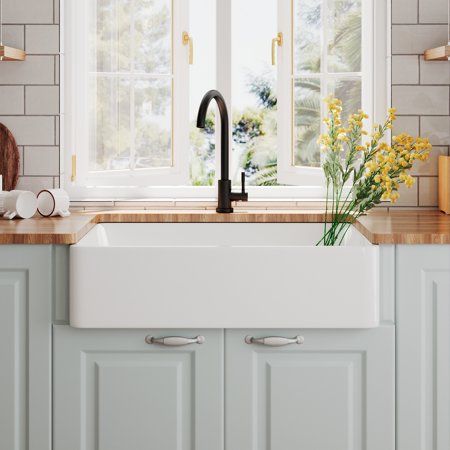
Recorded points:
(307,180)
(76,119)
(288,173)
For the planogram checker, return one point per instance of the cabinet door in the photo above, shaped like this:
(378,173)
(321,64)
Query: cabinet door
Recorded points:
(423,347)
(333,392)
(114,391)
(25,347)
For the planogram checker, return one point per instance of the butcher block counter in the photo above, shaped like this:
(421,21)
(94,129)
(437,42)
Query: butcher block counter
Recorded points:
(379,227)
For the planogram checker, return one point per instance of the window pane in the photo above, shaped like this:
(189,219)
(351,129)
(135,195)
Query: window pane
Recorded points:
(110,124)
(307,121)
(253,92)
(307,35)
(202,77)
(349,91)
(121,137)
(153,41)
(130,115)
(132,35)
(344,31)
(153,117)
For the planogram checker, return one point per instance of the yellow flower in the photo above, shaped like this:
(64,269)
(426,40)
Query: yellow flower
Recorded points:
(393,196)
(385,166)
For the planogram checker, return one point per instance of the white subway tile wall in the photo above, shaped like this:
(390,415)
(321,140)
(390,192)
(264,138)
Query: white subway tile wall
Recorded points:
(30,90)
(420,89)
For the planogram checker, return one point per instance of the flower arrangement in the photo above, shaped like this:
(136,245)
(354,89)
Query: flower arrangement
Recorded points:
(365,165)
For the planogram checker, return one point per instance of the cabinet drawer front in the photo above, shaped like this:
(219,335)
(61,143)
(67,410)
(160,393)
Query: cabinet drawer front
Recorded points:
(325,389)
(113,390)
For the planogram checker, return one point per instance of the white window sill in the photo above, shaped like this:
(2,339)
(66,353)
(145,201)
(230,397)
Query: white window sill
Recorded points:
(202,204)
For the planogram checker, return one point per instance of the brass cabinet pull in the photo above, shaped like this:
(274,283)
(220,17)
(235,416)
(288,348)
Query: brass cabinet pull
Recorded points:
(175,341)
(276,41)
(274,341)
(187,40)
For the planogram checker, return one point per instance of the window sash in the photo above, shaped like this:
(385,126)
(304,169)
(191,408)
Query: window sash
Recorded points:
(372,13)
(77,73)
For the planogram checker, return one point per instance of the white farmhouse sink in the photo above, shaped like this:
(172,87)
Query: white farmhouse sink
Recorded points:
(193,275)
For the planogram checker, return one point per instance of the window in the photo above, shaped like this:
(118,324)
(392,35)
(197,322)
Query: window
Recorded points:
(135,72)
(327,50)
(127,81)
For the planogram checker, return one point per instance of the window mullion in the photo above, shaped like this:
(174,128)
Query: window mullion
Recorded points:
(132,88)
(92,86)
(324,60)
(223,71)
(115,41)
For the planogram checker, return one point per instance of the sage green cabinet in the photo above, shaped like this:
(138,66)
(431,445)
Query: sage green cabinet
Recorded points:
(333,392)
(25,347)
(423,347)
(114,391)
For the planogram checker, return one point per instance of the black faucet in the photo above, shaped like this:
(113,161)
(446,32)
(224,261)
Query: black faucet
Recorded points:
(225,196)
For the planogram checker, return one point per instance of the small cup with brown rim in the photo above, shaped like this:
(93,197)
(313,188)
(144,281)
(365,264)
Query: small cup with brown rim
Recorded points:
(53,202)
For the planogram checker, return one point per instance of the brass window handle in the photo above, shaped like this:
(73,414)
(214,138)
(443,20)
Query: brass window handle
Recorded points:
(73,177)
(187,40)
(276,41)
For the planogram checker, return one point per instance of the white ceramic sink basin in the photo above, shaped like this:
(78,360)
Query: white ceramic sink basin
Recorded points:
(221,276)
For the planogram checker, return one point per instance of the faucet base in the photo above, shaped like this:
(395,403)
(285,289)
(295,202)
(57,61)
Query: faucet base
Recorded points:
(224,210)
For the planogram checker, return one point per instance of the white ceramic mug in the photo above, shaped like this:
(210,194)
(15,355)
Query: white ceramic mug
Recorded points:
(53,202)
(21,204)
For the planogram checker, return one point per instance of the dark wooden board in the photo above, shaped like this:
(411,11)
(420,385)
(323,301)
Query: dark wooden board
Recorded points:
(9,159)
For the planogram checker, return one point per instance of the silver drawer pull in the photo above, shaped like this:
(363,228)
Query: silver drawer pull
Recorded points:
(274,341)
(175,341)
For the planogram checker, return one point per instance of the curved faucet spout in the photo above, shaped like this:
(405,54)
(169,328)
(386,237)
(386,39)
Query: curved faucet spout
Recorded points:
(225,196)
(224,124)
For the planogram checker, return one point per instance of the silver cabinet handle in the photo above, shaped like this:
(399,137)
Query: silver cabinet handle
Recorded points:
(175,341)
(274,341)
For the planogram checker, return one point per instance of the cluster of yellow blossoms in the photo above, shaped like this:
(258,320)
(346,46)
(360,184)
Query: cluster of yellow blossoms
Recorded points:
(382,167)
(390,164)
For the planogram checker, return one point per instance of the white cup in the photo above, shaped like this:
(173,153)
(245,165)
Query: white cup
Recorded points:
(2,201)
(21,204)
(53,202)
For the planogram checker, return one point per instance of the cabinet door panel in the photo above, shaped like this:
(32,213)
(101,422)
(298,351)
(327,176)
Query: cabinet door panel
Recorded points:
(423,347)
(124,393)
(13,367)
(25,347)
(334,392)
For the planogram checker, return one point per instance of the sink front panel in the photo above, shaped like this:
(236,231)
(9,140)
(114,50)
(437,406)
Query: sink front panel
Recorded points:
(267,276)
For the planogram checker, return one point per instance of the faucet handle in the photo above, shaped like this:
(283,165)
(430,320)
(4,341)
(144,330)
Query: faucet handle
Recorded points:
(240,196)
(244,195)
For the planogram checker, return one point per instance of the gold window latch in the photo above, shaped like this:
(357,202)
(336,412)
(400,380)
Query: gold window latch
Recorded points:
(74,168)
(276,41)
(187,40)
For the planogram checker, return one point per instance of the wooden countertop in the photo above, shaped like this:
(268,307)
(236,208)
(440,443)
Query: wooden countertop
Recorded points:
(395,227)
(405,227)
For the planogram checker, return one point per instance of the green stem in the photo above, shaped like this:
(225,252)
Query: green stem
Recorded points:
(326,210)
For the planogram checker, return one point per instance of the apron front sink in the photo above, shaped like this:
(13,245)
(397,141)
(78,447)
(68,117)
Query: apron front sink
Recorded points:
(221,275)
